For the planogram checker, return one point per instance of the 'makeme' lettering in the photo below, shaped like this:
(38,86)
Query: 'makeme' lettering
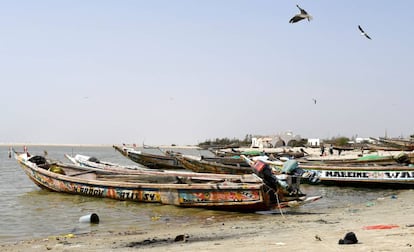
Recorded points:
(354,174)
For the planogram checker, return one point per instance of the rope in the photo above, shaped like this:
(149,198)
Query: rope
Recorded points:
(277,199)
(279,206)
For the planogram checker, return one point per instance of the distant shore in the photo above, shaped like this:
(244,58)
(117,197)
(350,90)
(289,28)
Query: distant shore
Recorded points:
(91,145)
(51,144)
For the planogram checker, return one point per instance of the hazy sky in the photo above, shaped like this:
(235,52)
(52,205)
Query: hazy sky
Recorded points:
(181,72)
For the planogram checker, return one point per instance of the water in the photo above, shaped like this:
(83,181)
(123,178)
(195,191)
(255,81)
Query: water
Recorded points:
(28,212)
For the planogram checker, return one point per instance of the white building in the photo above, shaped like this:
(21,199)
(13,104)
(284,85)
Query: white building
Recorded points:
(364,139)
(274,141)
(314,142)
(261,142)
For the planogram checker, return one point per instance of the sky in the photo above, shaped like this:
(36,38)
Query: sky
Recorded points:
(185,71)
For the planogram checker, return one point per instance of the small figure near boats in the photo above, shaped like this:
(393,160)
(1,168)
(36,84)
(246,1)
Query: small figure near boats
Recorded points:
(331,150)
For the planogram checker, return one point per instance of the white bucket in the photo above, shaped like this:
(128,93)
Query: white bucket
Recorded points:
(90,218)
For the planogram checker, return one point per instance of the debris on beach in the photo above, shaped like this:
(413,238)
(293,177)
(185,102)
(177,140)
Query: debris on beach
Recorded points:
(155,240)
(350,238)
(370,204)
(380,227)
(89,218)
(69,236)
(182,237)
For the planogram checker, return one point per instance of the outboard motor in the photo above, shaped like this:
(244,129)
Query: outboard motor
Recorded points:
(291,167)
(265,172)
(288,181)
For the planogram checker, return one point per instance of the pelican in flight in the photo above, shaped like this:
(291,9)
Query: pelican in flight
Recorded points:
(363,33)
(302,15)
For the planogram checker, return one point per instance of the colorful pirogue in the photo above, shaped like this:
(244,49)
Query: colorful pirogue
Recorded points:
(173,160)
(387,176)
(221,192)
(153,161)
(198,164)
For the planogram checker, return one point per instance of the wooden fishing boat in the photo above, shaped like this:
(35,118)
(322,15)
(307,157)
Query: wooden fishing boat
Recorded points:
(391,144)
(235,160)
(402,144)
(168,160)
(153,161)
(391,176)
(197,164)
(102,167)
(106,167)
(380,147)
(88,161)
(365,160)
(211,194)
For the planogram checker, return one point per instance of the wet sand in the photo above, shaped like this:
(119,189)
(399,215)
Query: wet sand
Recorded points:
(292,231)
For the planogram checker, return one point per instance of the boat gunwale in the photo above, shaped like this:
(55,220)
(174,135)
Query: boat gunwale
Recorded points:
(226,185)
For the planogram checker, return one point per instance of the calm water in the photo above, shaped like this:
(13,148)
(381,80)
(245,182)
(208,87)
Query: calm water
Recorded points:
(29,212)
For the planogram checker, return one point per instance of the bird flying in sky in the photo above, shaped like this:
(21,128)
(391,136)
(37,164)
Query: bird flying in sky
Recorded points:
(314,100)
(302,15)
(363,32)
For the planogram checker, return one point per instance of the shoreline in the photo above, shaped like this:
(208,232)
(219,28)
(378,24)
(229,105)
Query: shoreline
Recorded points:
(292,231)
(89,145)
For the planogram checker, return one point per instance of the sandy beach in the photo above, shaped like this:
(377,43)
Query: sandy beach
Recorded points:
(292,231)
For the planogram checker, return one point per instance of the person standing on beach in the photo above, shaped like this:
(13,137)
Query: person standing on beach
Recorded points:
(322,150)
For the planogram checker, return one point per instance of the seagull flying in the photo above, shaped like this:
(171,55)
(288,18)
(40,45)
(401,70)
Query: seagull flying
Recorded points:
(363,33)
(314,100)
(302,15)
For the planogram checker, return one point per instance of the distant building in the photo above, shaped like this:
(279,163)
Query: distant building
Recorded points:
(261,142)
(314,142)
(364,140)
(274,141)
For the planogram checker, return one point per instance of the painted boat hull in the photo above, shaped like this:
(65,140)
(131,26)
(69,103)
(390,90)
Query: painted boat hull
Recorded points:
(368,176)
(103,167)
(202,166)
(150,160)
(221,195)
